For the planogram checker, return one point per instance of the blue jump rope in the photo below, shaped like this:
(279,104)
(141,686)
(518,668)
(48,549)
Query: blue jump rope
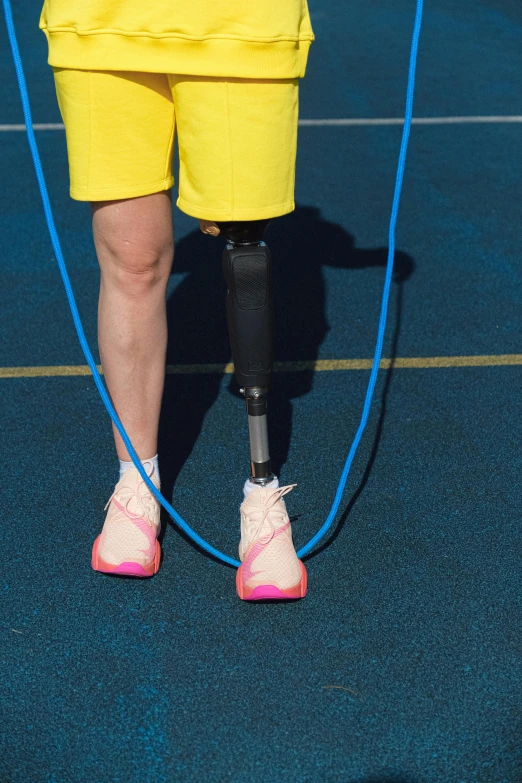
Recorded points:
(81,334)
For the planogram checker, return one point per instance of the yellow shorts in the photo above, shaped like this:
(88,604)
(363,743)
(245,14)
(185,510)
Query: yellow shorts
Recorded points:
(237,140)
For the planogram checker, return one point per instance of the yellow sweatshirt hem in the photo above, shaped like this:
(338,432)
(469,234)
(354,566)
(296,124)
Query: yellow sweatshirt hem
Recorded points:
(252,213)
(101,50)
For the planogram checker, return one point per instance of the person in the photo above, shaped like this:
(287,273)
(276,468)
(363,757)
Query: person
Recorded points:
(223,75)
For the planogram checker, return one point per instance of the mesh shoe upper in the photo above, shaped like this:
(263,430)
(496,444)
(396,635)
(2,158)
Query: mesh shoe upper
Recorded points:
(132,523)
(266,549)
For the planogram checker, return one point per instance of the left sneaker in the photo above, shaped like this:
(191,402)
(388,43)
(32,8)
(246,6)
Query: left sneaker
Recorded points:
(270,568)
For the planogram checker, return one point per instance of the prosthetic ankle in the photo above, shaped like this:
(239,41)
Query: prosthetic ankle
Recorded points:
(247,267)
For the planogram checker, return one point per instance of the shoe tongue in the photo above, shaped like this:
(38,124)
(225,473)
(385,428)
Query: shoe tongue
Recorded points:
(127,492)
(264,500)
(258,497)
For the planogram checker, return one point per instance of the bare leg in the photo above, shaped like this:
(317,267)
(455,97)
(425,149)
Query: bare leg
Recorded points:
(135,246)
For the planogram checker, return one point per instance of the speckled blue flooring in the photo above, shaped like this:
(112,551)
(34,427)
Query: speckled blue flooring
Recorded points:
(403,664)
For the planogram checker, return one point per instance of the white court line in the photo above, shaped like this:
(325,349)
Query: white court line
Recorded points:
(415,121)
(348,122)
(36,126)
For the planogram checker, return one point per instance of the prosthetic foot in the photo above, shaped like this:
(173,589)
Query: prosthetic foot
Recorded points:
(247,267)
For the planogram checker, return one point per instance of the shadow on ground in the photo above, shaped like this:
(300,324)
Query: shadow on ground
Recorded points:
(302,244)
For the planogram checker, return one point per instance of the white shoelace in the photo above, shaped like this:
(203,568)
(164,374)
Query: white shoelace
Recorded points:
(146,504)
(256,518)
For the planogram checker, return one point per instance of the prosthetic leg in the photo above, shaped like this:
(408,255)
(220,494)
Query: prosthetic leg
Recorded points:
(247,268)
(270,569)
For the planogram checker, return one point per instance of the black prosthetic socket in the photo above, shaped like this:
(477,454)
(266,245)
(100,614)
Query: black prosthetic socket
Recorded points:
(250,312)
(244,232)
(247,267)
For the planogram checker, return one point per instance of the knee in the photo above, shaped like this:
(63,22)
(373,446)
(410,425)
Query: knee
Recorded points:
(135,267)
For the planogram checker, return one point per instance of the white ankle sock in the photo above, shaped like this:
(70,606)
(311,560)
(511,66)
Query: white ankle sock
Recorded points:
(153,461)
(248,486)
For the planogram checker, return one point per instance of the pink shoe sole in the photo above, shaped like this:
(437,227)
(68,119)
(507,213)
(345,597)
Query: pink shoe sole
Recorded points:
(271,592)
(125,569)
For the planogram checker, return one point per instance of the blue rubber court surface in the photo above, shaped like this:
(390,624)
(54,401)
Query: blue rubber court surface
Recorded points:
(403,664)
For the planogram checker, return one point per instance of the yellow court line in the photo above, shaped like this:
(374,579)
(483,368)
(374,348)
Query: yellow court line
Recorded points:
(44,372)
(319,365)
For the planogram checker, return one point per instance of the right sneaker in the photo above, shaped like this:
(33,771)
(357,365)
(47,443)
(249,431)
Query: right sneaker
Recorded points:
(270,568)
(128,545)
